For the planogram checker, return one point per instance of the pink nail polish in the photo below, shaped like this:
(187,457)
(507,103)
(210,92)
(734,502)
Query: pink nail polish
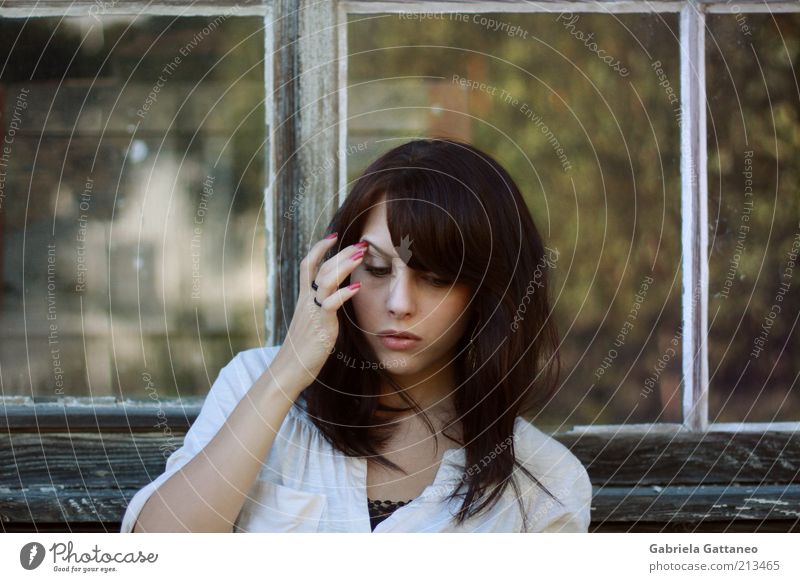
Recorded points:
(332,235)
(355,285)
(358,255)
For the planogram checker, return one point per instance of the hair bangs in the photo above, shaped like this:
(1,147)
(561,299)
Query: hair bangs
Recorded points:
(430,218)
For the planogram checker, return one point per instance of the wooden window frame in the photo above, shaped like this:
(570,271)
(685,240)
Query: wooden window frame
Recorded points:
(79,460)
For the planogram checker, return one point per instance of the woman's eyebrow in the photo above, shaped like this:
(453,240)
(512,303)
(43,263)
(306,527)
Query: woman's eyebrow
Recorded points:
(372,245)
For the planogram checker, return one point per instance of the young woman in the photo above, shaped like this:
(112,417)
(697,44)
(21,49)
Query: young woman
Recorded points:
(421,334)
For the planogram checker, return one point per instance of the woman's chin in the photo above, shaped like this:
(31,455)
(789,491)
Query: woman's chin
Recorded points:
(396,364)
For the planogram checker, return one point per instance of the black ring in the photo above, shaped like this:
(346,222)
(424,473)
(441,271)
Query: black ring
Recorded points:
(317,302)
(314,285)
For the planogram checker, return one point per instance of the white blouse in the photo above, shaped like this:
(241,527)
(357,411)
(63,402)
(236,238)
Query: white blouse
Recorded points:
(305,485)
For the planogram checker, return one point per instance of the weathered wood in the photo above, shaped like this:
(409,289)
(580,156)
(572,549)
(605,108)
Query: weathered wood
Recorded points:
(52,478)
(694,219)
(706,526)
(64,506)
(87,527)
(688,458)
(611,507)
(103,7)
(105,414)
(740,526)
(605,6)
(697,503)
(109,4)
(472,5)
(100,461)
(613,460)
(284,167)
(305,138)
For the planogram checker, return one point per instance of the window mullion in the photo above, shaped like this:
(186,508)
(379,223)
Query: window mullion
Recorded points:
(97,8)
(341,36)
(270,206)
(694,212)
(305,138)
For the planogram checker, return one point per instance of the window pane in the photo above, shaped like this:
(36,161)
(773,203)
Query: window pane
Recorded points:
(754,214)
(132,180)
(592,139)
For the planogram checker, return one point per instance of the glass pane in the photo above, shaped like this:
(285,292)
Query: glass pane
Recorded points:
(131,185)
(583,111)
(754,214)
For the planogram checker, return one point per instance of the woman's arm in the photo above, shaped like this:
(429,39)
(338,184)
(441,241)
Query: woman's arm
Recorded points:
(207,494)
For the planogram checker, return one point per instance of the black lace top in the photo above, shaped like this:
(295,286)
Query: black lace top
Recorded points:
(381,509)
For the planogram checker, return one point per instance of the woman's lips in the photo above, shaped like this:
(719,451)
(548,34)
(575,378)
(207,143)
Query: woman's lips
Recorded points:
(398,343)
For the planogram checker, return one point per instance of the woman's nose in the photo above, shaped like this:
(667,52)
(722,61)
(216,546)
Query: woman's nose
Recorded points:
(402,291)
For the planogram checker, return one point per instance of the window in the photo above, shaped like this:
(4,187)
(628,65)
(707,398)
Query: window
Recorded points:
(132,196)
(595,146)
(596,92)
(754,218)
(642,133)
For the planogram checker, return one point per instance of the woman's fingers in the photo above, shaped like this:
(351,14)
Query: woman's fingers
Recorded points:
(314,329)
(336,269)
(310,264)
(334,301)
(329,274)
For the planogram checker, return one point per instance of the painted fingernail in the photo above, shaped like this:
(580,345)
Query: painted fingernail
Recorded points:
(355,285)
(362,244)
(332,235)
(358,255)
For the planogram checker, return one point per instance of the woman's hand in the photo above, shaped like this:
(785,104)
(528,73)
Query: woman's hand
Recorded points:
(313,330)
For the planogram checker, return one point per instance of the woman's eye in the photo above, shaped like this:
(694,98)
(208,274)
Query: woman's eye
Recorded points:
(377,271)
(383,271)
(438,282)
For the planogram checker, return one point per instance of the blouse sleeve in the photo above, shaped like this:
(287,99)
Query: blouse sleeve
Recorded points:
(232,383)
(575,515)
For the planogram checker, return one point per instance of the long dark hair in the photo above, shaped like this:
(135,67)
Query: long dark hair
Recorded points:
(469,223)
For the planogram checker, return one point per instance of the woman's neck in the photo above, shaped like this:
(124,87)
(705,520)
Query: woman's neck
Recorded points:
(430,392)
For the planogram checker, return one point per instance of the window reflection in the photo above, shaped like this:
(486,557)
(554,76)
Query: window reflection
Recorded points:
(754,213)
(132,234)
(582,110)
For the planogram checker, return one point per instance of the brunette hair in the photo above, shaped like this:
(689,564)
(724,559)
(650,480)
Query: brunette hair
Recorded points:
(469,223)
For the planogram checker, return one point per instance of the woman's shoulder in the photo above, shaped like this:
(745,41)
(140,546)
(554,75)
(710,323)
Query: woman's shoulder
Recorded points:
(564,475)
(546,457)
(239,374)
(255,361)
(250,364)
(247,367)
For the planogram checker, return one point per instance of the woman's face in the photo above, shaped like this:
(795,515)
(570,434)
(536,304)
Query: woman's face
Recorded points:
(394,297)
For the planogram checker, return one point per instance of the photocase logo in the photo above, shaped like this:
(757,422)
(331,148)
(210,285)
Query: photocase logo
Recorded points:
(31,555)
(403,250)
